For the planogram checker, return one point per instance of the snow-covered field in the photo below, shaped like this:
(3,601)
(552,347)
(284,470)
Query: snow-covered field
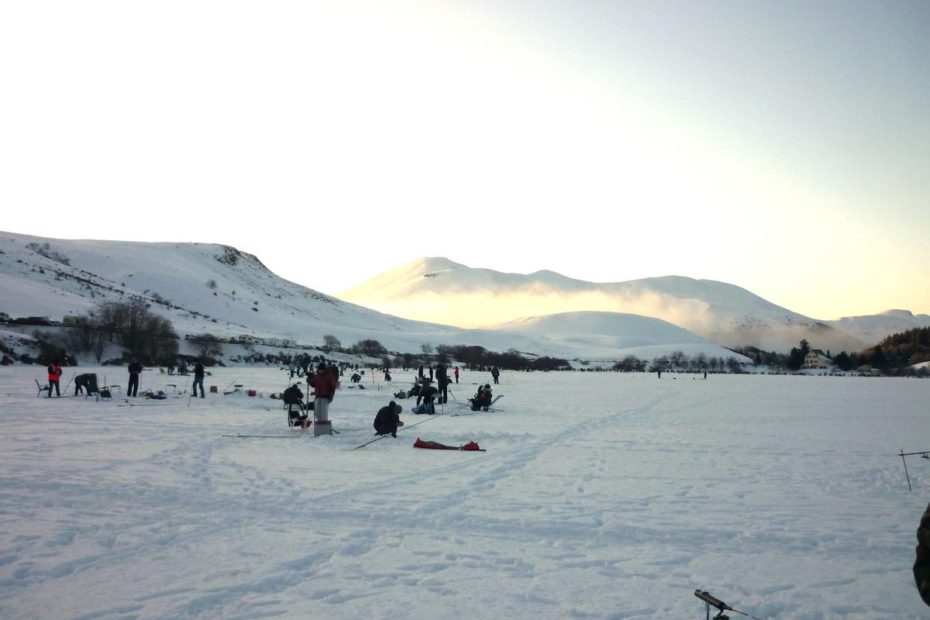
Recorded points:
(600,495)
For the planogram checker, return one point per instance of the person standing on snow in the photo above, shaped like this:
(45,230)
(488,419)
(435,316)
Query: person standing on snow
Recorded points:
(198,379)
(54,377)
(324,387)
(134,369)
(442,378)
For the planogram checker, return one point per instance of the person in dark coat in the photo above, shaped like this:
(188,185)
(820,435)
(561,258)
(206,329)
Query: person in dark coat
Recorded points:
(427,395)
(424,383)
(294,399)
(82,384)
(134,369)
(198,379)
(482,399)
(387,420)
(922,563)
(442,380)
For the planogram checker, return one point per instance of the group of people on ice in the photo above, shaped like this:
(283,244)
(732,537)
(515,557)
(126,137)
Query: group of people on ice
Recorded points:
(86,383)
(324,382)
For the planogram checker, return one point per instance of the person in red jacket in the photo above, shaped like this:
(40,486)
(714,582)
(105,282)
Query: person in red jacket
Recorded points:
(54,376)
(324,387)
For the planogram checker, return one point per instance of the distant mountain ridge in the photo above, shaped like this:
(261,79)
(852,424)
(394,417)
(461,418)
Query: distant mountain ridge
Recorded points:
(719,312)
(874,328)
(209,288)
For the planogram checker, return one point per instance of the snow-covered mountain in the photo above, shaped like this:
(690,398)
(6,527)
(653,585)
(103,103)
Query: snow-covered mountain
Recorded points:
(874,328)
(207,288)
(722,313)
(199,287)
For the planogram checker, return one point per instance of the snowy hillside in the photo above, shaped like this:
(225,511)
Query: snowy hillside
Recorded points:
(199,287)
(207,288)
(469,297)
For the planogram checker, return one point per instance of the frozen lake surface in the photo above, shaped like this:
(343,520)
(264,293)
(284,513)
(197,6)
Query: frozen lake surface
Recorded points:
(600,495)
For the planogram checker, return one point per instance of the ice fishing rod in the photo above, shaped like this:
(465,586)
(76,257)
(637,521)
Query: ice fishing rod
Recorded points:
(240,436)
(67,386)
(902,455)
(712,601)
(194,389)
(403,428)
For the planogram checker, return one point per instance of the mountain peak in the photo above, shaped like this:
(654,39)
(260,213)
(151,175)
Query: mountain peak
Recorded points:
(429,262)
(902,314)
(436,264)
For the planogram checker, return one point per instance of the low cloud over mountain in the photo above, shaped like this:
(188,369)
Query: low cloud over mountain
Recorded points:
(441,290)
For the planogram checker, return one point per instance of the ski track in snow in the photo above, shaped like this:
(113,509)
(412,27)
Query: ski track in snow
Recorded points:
(601,495)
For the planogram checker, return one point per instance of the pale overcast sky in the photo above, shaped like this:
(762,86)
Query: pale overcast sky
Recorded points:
(780,146)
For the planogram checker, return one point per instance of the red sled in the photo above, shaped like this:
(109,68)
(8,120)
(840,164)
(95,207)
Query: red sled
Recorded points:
(471,446)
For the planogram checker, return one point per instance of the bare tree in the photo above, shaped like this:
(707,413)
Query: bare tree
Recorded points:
(206,345)
(143,334)
(369,347)
(85,334)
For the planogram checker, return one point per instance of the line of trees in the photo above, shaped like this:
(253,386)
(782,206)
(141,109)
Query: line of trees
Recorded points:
(893,355)
(907,348)
(477,357)
(678,361)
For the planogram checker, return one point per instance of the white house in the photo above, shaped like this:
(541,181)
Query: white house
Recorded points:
(816,358)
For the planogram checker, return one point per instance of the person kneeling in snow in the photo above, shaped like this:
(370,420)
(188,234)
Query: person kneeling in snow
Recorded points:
(387,419)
